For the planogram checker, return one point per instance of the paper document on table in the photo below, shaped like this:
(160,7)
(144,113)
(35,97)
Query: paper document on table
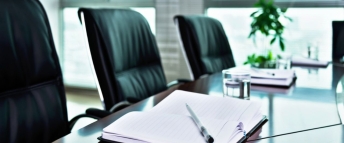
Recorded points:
(270,89)
(275,77)
(208,107)
(303,61)
(170,121)
(168,128)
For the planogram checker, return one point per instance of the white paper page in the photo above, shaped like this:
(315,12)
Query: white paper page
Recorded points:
(265,81)
(166,128)
(265,73)
(299,60)
(268,76)
(229,109)
(256,119)
(248,127)
(236,133)
(272,73)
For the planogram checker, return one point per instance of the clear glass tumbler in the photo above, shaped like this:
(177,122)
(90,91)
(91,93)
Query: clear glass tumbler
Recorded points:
(236,84)
(283,63)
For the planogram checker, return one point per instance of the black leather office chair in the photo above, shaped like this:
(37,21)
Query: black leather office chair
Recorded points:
(125,56)
(205,44)
(32,96)
(337,40)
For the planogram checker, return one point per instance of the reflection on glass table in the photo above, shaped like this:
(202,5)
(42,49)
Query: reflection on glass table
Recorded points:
(340,98)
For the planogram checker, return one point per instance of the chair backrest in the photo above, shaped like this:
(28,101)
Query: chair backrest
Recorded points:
(205,44)
(124,53)
(337,39)
(32,97)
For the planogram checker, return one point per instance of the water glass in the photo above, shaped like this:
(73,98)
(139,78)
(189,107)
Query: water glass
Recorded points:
(313,50)
(283,63)
(236,84)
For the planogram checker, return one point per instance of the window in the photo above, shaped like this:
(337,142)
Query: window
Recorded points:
(310,26)
(76,66)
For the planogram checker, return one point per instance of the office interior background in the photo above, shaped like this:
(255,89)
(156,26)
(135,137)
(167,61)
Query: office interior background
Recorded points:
(311,26)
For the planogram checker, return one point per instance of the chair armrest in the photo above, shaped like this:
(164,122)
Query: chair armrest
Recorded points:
(76,118)
(204,75)
(178,81)
(120,106)
(97,112)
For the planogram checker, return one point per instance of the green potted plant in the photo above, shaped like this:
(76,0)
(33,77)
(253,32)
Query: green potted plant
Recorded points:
(266,20)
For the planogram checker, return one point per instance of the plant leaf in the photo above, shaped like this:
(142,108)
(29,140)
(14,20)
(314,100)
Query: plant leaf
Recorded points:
(290,19)
(252,33)
(284,10)
(279,57)
(281,43)
(257,4)
(266,21)
(252,15)
(270,56)
(272,40)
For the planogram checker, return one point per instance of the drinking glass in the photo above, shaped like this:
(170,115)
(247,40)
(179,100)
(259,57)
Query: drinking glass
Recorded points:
(313,50)
(236,84)
(283,63)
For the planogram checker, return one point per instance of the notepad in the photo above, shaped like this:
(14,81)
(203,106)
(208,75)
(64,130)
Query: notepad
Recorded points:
(271,77)
(303,61)
(226,119)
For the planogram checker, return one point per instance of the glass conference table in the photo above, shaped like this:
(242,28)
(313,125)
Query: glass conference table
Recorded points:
(306,111)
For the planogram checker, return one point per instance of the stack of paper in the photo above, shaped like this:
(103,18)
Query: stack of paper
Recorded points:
(226,119)
(269,89)
(303,61)
(273,77)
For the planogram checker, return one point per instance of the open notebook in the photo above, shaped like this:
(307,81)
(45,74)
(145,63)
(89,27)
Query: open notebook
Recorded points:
(272,77)
(226,119)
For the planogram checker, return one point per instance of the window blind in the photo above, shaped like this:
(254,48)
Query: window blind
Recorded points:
(172,58)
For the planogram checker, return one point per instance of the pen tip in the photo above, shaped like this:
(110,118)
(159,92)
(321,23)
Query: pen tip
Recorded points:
(211,140)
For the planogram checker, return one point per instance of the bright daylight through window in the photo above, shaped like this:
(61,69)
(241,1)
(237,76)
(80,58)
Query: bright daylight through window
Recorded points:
(310,27)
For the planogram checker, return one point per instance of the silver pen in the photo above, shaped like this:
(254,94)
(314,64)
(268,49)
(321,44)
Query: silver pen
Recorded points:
(203,130)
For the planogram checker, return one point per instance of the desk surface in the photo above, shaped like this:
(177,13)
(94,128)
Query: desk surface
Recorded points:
(333,134)
(308,105)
